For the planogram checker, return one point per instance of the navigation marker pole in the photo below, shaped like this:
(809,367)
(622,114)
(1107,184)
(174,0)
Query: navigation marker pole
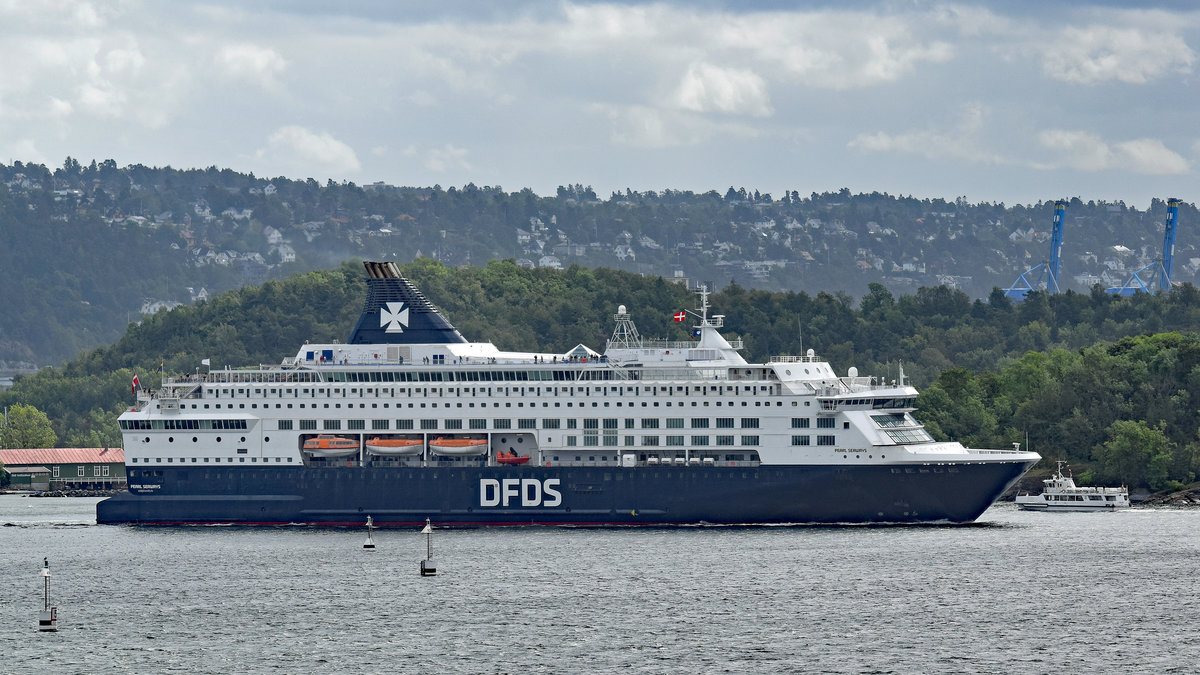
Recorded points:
(48,617)
(370,543)
(427,567)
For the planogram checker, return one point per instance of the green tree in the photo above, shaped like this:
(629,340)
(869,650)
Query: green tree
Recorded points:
(26,427)
(1135,453)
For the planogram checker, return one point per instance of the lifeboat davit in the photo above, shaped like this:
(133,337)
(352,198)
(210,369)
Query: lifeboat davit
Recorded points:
(395,446)
(327,445)
(458,446)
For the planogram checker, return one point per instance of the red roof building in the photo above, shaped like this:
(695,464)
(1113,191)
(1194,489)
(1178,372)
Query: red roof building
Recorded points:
(72,468)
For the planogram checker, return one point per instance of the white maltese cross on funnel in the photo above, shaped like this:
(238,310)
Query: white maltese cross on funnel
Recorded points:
(393,317)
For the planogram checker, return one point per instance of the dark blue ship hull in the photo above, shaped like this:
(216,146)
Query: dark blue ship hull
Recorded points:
(472,496)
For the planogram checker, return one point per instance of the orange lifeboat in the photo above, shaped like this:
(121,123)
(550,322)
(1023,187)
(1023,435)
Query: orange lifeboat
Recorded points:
(328,445)
(395,446)
(461,447)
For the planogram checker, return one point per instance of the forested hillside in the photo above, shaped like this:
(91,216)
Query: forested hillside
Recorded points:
(86,249)
(1091,377)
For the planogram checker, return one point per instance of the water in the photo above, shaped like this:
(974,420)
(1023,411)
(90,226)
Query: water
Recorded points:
(1033,592)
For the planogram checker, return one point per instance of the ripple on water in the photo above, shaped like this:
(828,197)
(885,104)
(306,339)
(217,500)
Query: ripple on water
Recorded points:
(1018,591)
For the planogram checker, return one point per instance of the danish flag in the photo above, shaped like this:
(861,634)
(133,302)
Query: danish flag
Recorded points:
(680,316)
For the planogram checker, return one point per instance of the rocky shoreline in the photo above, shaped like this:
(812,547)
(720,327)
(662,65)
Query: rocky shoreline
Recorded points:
(76,493)
(1189,496)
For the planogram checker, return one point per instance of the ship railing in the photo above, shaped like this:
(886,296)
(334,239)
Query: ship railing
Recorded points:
(857,384)
(684,374)
(666,344)
(655,344)
(176,390)
(267,374)
(622,373)
(786,358)
(830,389)
(846,385)
(1096,490)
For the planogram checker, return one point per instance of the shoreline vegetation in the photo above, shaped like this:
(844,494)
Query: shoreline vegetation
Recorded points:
(1108,383)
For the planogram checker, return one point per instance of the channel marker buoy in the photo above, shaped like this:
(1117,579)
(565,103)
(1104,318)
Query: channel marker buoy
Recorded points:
(48,617)
(369,545)
(428,569)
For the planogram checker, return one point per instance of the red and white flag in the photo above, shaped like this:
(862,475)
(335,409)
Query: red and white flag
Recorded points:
(135,385)
(680,316)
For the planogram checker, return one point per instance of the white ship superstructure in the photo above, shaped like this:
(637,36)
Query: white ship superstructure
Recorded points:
(408,392)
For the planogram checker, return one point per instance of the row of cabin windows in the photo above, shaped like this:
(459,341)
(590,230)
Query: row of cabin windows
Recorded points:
(654,459)
(864,403)
(589,424)
(807,440)
(218,460)
(493,391)
(183,424)
(805,423)
(471,404)
(651,441)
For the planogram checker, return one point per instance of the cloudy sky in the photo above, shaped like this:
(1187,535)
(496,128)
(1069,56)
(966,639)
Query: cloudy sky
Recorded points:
(996,101)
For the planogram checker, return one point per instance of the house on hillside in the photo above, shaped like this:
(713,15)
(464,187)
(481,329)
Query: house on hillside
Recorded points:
(287,254)
(68,468)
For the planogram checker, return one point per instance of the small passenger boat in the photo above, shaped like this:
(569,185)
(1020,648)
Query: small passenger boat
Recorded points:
(328,445)
(395,446)
(1061,494)
(461,447)
(512,458)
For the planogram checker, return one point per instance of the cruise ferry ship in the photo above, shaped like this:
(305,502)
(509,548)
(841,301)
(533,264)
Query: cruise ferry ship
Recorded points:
(409,420)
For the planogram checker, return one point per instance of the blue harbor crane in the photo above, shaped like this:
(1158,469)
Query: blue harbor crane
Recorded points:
(1162,266)
(1047,272)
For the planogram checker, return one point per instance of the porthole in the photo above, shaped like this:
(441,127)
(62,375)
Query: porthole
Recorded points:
(195,440)
(266,439)
(218,439)
(170,439)
(243,439)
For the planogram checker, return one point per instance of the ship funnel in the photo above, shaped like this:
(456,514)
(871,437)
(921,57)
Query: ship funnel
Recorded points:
(397,313)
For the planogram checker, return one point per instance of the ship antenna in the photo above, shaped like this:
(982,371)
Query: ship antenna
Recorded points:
(625,334)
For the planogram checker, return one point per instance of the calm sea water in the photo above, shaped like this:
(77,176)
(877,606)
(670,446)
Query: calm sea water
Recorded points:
(1017,592)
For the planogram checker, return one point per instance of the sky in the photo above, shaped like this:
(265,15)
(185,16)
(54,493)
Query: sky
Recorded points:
(1014,102)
